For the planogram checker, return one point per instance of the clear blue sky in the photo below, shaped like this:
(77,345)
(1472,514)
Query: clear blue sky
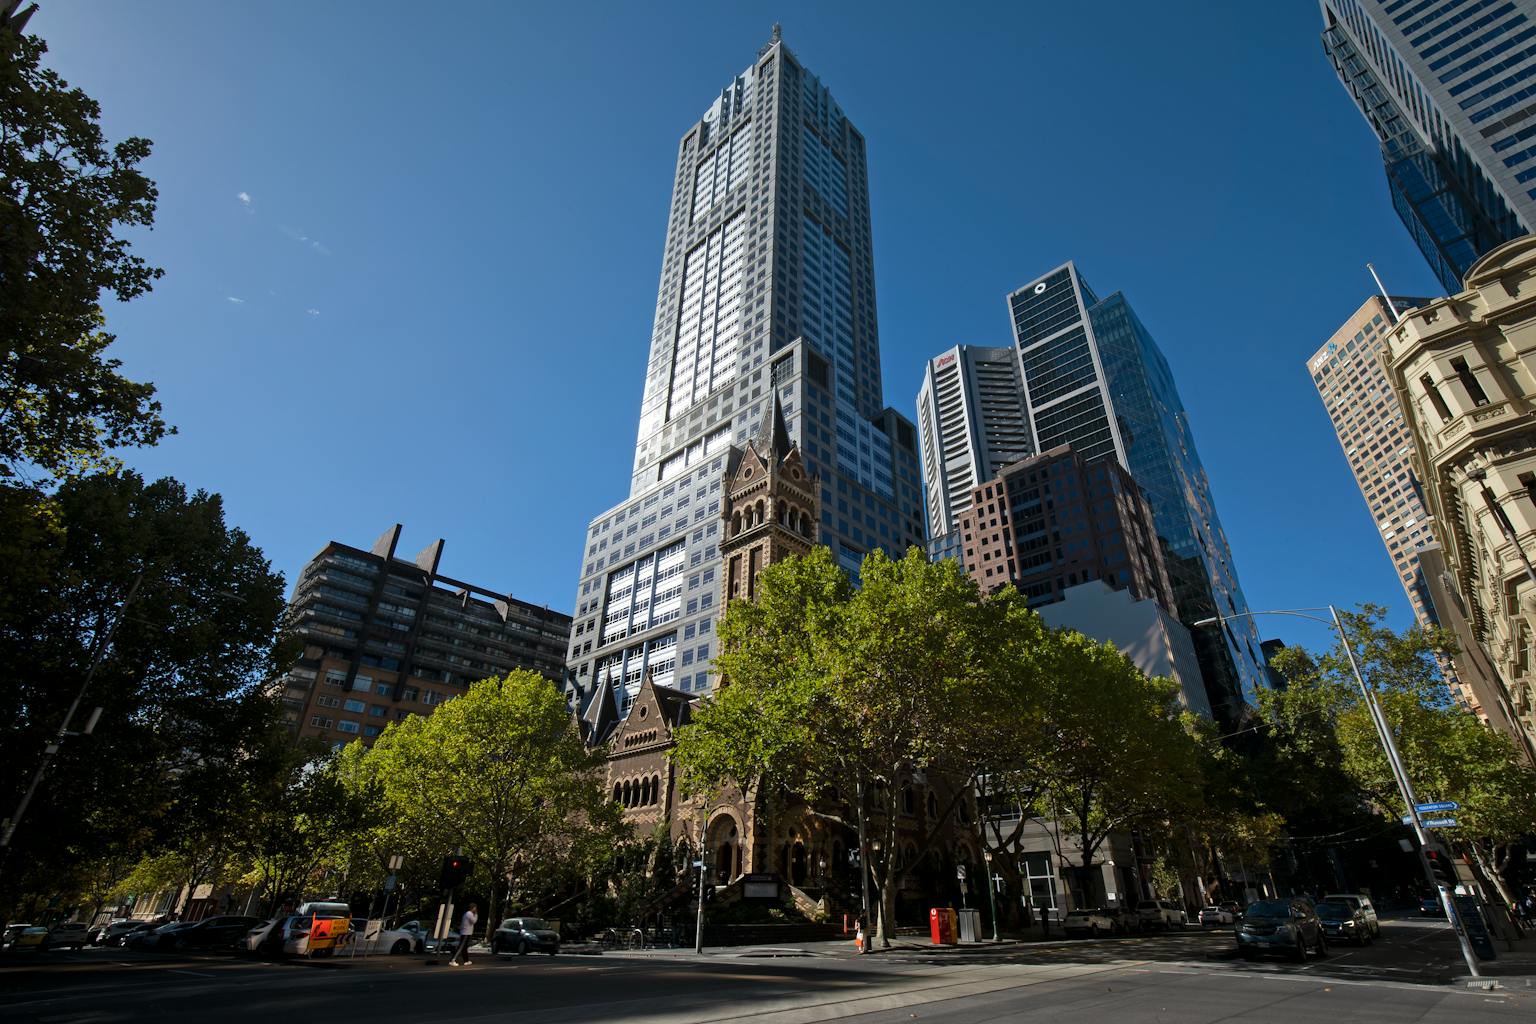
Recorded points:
(411,251)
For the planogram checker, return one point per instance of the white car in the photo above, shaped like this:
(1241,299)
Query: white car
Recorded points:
(389,940)
(1162,914)
(1214,915)
(1092,923)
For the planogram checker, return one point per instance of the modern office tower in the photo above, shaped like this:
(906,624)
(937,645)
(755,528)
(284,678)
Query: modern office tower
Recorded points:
(386,637)
(1054,521)
(767,287)
(970,424)
(1464,371)
(1449,88)
(1352,383)
(1095,379)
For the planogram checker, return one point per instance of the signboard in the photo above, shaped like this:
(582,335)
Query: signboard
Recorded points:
(1470,917)
(760,887)
(1439,805)
(389,883)
(1439,822)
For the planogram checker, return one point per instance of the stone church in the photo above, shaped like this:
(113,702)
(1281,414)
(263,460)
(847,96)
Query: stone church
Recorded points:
(770,508)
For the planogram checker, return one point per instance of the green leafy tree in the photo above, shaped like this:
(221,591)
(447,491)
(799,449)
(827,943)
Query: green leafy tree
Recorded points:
(851,690)
(1119,755)
(180,684)
(501,775)
(1324,726)
(65,196)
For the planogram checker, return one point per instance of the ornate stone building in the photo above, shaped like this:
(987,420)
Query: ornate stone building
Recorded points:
(1464,369)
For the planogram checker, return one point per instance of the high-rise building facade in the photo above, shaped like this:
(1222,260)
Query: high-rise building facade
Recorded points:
(767,288)
(1054,521)
(1095,379)
(1449,88)
(1464,371)
(1352,382)
(970,423)
(386,637)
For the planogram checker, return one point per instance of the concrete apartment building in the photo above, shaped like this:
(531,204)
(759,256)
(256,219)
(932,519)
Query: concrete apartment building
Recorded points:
(1055,520)
(1351,379)
(767,288)
(971,423)
(386,637)
(1448,88)
(1464,371)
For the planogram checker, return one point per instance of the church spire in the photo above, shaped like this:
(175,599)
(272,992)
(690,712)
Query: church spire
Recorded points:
(773,437)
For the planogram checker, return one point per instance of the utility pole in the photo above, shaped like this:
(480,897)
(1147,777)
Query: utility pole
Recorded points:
(864,871)
(51,750)
(698,924)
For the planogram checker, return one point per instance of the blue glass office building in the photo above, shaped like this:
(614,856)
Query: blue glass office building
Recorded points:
(1449,89)
(1095,379)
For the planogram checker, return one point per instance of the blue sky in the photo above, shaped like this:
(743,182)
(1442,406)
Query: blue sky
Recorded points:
(411,251)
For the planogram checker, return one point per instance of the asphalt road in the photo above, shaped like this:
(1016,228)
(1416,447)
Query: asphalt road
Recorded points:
(1177,977)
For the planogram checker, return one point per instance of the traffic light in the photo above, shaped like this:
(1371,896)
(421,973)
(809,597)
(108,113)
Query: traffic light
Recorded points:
(1440,867)
(455,870)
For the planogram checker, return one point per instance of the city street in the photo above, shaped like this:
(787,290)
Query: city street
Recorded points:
(1180,976)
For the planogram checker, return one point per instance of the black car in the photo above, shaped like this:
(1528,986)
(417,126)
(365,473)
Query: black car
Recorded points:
(210,933)
(521,934)
(1344,922)
(159,937)
(1280,926)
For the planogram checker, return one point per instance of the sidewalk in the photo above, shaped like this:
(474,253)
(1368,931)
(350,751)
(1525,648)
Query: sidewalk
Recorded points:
(1513,969)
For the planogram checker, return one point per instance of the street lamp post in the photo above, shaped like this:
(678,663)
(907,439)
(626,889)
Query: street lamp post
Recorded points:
(1394,761)
(991,895)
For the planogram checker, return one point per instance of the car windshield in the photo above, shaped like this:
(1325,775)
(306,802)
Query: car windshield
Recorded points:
(534,924)
(1269,908)
(1212,910)
(1335,911)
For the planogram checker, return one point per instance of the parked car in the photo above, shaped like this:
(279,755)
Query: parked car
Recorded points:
(389,940)
(221,932)
(1362,904)
(1125,917)
(305,935)
(67,935)
(1091,923)
(112,934)
(22,936)
(121,938)
(1216,914)
(422,936)
(521,934)
(256,938)
(1162,914)
(1430,905)
(1344,922)
(1289,926)
(159,937)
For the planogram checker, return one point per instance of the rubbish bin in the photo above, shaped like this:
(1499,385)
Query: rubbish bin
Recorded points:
(970,925)
(941,926)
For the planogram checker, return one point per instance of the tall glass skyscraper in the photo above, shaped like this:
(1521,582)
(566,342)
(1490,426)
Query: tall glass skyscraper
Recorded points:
(971,423)
(1095,379)
(767,288)
(1449,88)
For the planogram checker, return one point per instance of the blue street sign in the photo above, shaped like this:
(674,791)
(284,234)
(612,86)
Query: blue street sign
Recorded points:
(1439,805)
(1440,823)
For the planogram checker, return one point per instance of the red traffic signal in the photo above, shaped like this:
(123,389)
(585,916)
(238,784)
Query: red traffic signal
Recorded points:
(455,870)
(1440,866)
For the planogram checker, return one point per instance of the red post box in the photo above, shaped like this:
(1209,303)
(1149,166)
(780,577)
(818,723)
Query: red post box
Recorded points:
(942,926)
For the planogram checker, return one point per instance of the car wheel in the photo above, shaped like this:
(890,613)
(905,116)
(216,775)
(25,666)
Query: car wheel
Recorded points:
(1322,944)
(1299,954)
(401,947)
(1248,954)
(1093,931)
(522,947)
(554,949)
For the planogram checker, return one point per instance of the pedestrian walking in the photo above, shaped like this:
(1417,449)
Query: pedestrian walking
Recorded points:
(466,932)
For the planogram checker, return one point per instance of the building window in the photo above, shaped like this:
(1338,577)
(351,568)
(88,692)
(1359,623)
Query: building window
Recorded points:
(1435,398)
(320,722)
(1469,381)
(346,726)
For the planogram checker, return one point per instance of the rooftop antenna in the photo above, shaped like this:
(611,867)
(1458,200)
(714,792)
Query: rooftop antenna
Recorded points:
(1396,316)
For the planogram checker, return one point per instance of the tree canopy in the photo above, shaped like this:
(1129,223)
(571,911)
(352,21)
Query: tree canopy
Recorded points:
(66,195)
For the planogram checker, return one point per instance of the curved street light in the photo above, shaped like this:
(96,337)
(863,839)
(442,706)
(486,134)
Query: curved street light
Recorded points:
(1394,759)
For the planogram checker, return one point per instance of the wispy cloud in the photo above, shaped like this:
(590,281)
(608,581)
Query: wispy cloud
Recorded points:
(299,236)
(234,300)
(246,200)
(312,311)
